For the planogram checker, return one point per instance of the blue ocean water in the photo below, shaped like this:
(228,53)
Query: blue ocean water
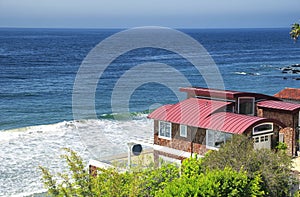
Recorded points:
(38,68)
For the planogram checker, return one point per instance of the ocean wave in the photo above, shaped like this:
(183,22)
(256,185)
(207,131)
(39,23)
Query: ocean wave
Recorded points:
(122,116)
(22,150)
(247,73)
(38,193)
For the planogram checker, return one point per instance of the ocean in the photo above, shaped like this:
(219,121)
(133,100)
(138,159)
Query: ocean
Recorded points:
(38,68)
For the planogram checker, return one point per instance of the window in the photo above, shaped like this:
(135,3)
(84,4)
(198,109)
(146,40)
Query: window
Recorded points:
(281,137)
(263,128)
(246,105)
(299,119)
(216,138)
(183,130)
(165,130)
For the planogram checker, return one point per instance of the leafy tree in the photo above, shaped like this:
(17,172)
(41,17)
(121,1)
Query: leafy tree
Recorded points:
(192,166)
(239,154)
(223,183)
(155,179)
(108,182)
(77,182)
(235,170)
(295,31)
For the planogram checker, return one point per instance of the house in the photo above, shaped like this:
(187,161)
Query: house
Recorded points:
(209,117)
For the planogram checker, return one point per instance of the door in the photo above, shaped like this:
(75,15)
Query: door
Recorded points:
(262,141)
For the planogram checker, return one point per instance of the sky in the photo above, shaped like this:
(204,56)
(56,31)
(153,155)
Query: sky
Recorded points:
(134,13)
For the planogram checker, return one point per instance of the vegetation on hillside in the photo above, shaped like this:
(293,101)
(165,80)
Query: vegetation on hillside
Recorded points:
(235,170)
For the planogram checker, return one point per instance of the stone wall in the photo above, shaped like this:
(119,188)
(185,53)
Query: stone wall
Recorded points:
(290,120)
(286,117)
(289,140)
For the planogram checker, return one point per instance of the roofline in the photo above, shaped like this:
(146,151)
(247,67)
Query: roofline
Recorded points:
(258,122)
(285,94)
(267,120)
(224,94)
(274,109)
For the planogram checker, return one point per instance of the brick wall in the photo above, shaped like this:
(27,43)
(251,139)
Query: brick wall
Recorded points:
(194,142)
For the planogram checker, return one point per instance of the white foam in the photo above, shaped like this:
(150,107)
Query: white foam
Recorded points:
(23,150)
(240,73)
(244,73)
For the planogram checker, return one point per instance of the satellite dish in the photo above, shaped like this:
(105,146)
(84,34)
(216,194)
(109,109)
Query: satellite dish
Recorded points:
(136,149)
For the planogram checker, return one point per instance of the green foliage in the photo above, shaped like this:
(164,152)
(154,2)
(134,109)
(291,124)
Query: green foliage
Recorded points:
(221,183)
(76,182)
(281,146)
(297,194)
(191,167)
(236,169)
(108,182)
(239,154)
(295,31)
(155,179)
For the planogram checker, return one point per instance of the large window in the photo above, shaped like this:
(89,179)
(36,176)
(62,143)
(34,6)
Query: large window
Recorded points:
(183,130)
(246,105)
(214,139)
(263,128)
(165,130)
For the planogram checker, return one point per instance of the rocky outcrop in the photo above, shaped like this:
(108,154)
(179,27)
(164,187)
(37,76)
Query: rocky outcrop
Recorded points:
(292,69)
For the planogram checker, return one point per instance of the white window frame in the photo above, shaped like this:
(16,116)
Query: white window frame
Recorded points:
(264,131)
(181,130)
(159,133)
(253,102)
(207,139)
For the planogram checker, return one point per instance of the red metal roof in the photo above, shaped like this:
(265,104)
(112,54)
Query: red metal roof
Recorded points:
(191,111)
(289,93)
(233,123)
(206,114)
(279,105)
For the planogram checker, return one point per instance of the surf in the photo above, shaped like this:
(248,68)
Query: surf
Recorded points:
(22,150)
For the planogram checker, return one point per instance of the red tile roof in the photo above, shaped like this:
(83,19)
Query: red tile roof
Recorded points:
(206,114)
(280,105)
(289,93)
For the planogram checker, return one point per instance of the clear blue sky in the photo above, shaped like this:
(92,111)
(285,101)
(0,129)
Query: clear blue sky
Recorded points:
(132,13)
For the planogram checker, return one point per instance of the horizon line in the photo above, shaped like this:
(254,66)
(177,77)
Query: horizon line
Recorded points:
(120,28)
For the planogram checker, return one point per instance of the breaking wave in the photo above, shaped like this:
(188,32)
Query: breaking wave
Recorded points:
(247,73)
(22,150)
